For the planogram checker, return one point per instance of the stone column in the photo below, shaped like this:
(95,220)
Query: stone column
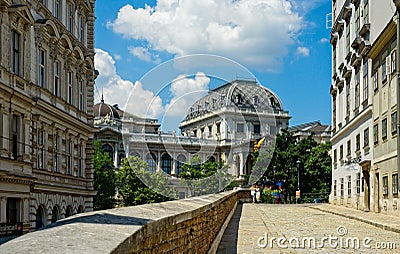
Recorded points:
(25,210)
(158,161)
(173,161)
(116,155)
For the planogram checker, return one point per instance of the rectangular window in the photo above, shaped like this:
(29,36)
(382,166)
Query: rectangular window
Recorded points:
(56,159)
(69,96)
(393,62)
(365,82)
(81,96)
(394,122)
(385,185)
(383,66)
(375,133)
(334,58)
(366,137)
(341,152)
(80,161)
(69,157)
(358,180)
(348,147)
(347,37)
(375,80)
(349,186)
(257,129)
(366,12)
(384,129)
(15,142)
(240,127)
(16,53)
(357,23)
(334,111)
(57,7)
(358,142)
(42,68)
(341,187)
(357,90)
(12,211)
(40,152)
(57,78)
(395,182)
(70,18)
(348,100)
(82,24)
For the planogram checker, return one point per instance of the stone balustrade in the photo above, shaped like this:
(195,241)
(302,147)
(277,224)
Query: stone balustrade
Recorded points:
(193,225)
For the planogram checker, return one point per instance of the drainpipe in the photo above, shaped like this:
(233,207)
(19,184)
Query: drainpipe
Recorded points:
(397,4)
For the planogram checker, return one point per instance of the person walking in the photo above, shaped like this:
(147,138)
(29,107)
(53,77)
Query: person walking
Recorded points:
(253,193)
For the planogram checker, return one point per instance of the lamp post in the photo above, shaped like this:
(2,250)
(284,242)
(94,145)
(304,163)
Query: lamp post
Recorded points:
(397,4)
(298,180)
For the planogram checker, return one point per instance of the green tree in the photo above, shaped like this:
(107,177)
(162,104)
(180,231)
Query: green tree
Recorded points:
(302,161)
(132,189)
(204,178)
(104,179)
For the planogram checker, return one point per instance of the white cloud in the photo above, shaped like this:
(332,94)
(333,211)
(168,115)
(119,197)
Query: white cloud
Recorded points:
(323,40)
(256,33)
(117,57)
(137,100)
(144,54)
(185,92)
(303,51)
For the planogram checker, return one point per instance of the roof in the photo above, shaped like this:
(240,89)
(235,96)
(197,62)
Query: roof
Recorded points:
(237,93)
(103,109)
(314,126)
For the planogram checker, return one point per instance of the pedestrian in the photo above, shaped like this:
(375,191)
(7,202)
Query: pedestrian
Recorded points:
(258,194)
(253,193)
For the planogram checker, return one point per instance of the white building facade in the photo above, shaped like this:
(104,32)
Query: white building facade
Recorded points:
(46,110)
(364,114)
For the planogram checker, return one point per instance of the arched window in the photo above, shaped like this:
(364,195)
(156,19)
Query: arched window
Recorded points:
(107,149)
(179,162)
(166,163)
(211,159)
(68,212)
(55,214)
(151,162)
(40,217)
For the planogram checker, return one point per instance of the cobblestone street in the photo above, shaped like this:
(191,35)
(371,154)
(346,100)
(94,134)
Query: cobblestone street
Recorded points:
(263,228)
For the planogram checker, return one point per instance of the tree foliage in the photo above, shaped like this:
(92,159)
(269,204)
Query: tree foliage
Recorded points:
(204,178)
(302,162)
(132,189)
(104,179)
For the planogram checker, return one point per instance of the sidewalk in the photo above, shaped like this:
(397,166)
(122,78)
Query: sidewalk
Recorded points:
(380,220)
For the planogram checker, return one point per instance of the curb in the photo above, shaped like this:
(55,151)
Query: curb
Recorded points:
(373,223)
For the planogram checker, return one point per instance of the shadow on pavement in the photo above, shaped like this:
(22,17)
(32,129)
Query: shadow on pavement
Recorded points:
(229,240)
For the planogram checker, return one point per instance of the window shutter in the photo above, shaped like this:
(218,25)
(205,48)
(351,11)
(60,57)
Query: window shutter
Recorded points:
(388,66)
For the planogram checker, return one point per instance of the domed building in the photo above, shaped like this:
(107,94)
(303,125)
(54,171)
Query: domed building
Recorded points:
(235,114)
(108,120)
(220,126)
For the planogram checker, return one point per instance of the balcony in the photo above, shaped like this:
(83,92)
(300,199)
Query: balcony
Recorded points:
(356,60)
(334,38)
(365,30)
(356,43)
(347,70)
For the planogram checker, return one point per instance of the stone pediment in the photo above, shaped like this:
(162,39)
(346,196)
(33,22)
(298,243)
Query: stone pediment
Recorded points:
(22,13)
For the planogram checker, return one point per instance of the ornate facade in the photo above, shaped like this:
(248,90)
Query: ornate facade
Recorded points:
(221,126)
(364,115)
(46,110)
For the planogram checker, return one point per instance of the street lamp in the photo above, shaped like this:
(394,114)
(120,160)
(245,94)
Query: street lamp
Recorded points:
(298,180)
(397,4)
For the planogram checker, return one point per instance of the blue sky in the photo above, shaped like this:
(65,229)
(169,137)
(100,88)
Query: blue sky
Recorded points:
(283,44)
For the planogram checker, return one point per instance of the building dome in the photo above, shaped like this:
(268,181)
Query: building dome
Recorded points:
(244,94)
(102,109)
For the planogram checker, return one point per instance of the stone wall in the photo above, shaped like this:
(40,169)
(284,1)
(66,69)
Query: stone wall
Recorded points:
(182,226)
